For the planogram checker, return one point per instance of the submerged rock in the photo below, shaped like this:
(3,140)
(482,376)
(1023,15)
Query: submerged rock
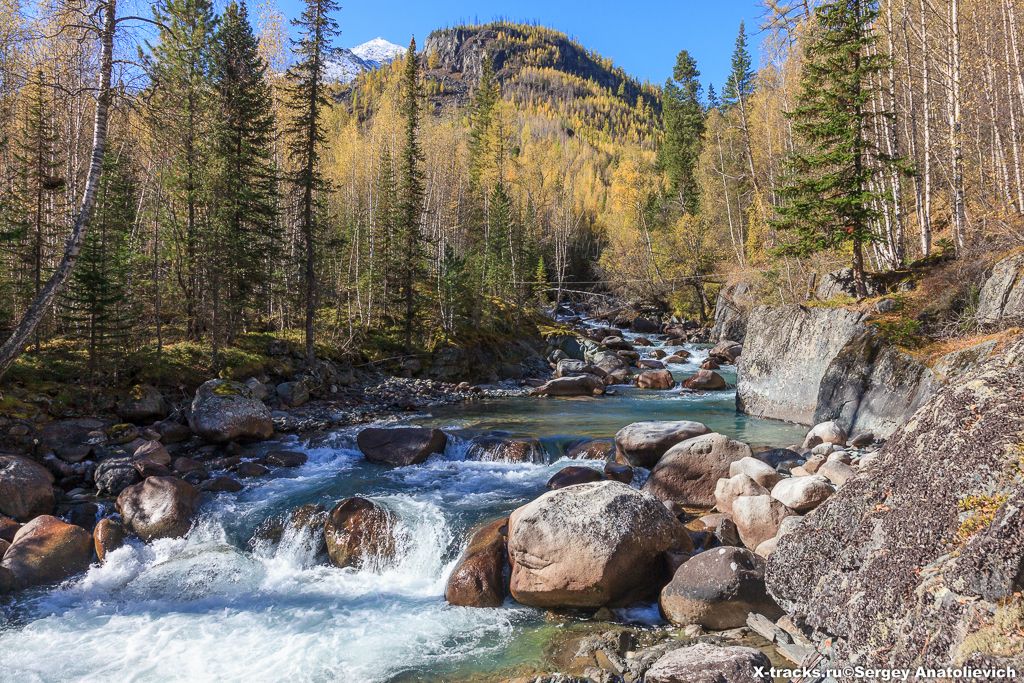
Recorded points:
(643,443)
(224,410)
(400,446)
(26,488)
(572,475)
(591,545)
(689,471)
(477,580)
(498,449)
(359,533)
(717,589)
(159,507)
(47,550)
(584,384)
(596,449)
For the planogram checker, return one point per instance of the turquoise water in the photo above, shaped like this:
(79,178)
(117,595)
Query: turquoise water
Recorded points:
(212,607)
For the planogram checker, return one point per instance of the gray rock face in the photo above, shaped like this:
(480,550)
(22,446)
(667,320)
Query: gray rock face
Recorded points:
(706,663)
(731,310)
(223,410)
(918,562)
(1001,301)
(811,365)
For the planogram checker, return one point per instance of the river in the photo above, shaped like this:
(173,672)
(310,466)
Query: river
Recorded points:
(214,606)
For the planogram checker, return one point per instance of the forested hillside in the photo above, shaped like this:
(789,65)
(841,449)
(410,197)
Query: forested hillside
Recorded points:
(456,191)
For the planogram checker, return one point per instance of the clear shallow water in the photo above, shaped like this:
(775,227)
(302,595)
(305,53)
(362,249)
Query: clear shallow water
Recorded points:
(206,607)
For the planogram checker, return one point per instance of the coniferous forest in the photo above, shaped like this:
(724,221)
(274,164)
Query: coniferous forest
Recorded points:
(241,190)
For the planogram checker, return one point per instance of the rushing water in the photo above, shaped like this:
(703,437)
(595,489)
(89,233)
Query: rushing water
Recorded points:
(214,606)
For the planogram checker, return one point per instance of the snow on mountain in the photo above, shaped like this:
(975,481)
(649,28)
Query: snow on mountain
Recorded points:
(371,55)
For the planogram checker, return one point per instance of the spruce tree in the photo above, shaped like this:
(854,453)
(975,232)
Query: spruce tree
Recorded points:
(179,117)
(827,200)
(309,101)
(384,263)
(244,177)
(410,203)
(97,300)
(684,129)
(740,84)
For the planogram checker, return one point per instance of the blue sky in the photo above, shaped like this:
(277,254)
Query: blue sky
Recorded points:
(641,36)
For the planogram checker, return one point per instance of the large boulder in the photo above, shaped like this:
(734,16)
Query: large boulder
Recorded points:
(923,560)
(500,449)
(731,310)
(159,507)
(142,405)
(757,469)
(716,589)
(47,550)
(360,533)
(643,443)
(689,471)
(1001,300)
(26,488)
(224,410)
(400,446)
(706,663)
(585,384)
(825,432)
(477,580)
(114,475)
(726,350)
(591,545)
(705,380)
(570,367)
(72,440)
(758,518)
(655,379)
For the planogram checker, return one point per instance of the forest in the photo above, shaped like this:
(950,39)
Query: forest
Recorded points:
(179,183)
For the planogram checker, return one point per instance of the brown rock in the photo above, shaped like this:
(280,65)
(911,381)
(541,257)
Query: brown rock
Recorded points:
(597,449)
(159,507)
(154,452)
(497,449)
(578,385)
(286,458)
(689,472)
(107,536)
(716,589)
(26,488)
(400,446)
(642,444)
(617,472)
(221,484)
(47,550)
(655,379)
(572,475)
(251,469)
(705,380)
(728,490)
(8,527)
(360,532)
(477,580)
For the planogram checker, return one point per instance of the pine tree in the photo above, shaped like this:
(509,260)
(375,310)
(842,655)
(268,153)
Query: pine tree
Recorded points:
(828,202)
(308,102)
(39,189)
(684,128)
(98,299)
(410,203)
(244,181)
(179,117)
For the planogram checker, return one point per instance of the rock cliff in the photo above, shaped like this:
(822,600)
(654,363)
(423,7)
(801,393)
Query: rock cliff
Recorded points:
(1001,301)
(919,560)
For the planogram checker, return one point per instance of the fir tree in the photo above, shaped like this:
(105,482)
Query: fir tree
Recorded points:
(828,202)
(480,116)
(384,263)
(740,84)
(410,203)
(179,69)
(308,102)
(98,297)
(684,128)
(244,175)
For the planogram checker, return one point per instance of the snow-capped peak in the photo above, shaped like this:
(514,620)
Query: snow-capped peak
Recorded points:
(378,50)
(373,54)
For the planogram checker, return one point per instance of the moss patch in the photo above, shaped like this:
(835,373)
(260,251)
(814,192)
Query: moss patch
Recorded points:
(1002,637)
(977,512)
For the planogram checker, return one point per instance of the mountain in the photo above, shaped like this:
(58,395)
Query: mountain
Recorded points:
(371,55)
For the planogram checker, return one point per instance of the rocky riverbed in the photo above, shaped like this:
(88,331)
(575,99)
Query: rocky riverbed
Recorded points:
(615,521)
